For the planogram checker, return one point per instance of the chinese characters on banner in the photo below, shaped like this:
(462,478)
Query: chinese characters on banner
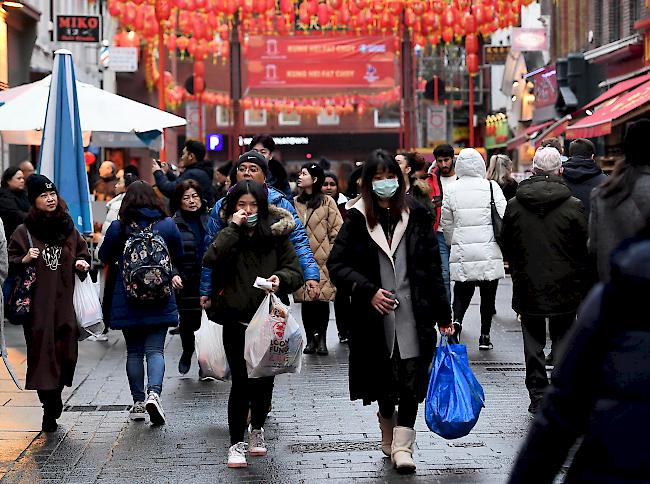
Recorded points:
(313,62)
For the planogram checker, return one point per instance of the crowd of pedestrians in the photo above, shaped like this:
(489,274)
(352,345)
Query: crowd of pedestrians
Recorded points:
(400,258)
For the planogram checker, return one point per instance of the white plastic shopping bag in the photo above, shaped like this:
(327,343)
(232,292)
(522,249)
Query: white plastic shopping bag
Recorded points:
(87,308)
(210,352)
(274,340)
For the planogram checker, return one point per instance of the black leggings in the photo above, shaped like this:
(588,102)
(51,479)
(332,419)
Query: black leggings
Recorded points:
(190,321)
(315,317)
(403,380)
(463,292)
(245,393)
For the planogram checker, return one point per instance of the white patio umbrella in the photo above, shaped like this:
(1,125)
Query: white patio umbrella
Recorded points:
(22,116)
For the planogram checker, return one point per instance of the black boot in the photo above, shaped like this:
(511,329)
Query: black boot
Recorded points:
(49,424)
(52,408)
(322,346)
(310,349)
(185,363)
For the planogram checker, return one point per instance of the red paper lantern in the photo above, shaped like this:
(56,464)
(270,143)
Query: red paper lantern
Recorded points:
(471,25)
(130,12)
(449,17)
(323,14)
(448,34)
(479,14)
(170,41)
(89,158)
(471,44)
(163,9)
(115,8)
(199,84)
(471,60)
(150,29)
(286,6)
(312,7)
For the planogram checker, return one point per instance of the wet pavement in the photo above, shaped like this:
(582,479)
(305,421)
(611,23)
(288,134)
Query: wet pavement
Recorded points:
(313,433)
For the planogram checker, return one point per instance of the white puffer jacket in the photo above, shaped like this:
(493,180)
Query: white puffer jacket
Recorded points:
(467,222)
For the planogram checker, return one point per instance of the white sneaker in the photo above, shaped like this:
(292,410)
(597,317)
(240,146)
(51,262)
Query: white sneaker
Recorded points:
(256,443)
(99,337)
(138,412)
(237,455)
(154,407)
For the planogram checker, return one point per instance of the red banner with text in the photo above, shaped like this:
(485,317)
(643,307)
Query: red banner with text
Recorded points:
(321,62)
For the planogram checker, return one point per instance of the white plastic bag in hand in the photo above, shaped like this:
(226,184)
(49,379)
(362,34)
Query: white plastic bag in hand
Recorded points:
(87,308)
(274,340)
(210,352)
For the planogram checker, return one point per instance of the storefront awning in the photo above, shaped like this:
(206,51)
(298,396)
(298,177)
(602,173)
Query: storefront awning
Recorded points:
(616,90)
(601,122)
(556,128)
(521,138)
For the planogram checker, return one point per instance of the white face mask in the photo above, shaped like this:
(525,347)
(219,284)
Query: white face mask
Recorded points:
(385,188)
(251,220)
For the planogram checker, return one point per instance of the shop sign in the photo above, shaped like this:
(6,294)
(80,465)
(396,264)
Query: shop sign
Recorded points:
(529,39)
(312,62)
(436,125)
(496,54)
(646,50)
(123,59)
(77,28)
(192,117)
(546,92)
(214,141)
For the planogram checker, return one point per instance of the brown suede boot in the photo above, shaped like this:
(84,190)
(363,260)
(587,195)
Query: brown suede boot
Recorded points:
(402,449)
(386,425)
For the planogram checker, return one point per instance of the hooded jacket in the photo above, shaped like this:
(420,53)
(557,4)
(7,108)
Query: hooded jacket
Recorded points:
(467,222)
(545,241)
(298,238)
(600,389)
(237,259)
(582,175)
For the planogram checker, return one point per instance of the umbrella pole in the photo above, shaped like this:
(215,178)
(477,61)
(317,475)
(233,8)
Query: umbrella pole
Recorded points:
(161,85)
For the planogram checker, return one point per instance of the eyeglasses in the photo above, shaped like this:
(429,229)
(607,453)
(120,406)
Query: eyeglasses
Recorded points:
(250,169)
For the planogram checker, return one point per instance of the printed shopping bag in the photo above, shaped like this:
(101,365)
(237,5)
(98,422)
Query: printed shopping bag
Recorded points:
(87,308)
(210,353)
(274,340)
(455,397)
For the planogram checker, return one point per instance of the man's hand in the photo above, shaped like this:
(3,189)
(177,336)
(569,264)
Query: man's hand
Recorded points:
(275,283)
(205,302)
(177,282)
(313,288)
(164,167)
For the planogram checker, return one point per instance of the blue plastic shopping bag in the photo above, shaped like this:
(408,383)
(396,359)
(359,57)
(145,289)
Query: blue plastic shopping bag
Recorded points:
(455,397)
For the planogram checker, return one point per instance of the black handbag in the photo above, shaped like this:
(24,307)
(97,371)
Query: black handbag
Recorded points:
(20,296)
(497,220)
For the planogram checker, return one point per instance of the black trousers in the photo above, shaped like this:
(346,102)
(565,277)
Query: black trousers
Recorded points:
(315,317)
(463,293)
(403,380)
(190,321)
(534,333)
(245,393)
(52,403)
(342,311)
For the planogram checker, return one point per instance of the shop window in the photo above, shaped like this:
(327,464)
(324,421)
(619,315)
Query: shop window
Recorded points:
(288,119)
(223,116)
(325,119)
(388,117)
(255,117)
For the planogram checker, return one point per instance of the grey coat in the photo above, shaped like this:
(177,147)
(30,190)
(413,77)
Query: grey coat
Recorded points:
(4,265)
(610,224)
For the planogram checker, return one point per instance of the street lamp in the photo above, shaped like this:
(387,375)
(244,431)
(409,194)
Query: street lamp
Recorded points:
(11,4)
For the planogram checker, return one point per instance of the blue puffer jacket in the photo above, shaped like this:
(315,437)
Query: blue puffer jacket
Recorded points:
(298,238)
(124,314)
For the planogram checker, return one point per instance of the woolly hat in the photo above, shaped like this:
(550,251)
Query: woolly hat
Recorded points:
(254,157)
(38,184)
(635,143)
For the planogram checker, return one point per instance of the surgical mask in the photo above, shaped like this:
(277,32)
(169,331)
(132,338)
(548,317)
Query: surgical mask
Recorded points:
(251,221)
(385,188)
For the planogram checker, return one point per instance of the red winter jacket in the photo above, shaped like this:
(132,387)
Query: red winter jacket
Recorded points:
(433,180)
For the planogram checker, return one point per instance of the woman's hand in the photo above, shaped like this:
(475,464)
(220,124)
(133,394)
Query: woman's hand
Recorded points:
(177,282)
(313,288)
(32,254)
(82,266)
(381,303)
(205,302)
(240,217)
(275,283)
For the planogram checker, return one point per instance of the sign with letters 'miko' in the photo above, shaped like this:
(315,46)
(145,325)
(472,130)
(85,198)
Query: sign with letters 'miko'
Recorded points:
(77,28)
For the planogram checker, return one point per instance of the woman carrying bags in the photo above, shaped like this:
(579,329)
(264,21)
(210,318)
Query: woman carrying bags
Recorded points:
(253,243)
(49,242)
(321,217)
(386,257)
(144,322)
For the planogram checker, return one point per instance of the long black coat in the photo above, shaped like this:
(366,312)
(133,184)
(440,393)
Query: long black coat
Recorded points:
(354,266)
(14,206)
(600,388)
(189,266)
(545,241)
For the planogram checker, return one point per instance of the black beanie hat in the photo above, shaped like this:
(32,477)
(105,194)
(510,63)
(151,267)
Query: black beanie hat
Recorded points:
(38,184)
(635,143)
(254,157)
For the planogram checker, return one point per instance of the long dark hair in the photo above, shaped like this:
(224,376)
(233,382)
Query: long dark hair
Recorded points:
(316,198)
(139,195)
(263,227)
(50,227)
(181,188)
(331,175)
(618,187)
(8,175)
(378,162)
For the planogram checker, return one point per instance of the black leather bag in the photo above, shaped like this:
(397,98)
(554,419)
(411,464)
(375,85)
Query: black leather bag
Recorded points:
(497,220)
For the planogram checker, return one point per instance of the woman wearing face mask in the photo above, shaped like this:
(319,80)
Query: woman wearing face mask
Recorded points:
(253,243)
(386,257)
(191,219)
(322,221)
(49,241)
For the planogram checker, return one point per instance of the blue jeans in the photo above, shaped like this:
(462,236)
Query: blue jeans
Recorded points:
(444,259)
(144,341)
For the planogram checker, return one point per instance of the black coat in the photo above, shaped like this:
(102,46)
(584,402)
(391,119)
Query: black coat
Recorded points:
(14,206)
(600,389)
(197,172)
(545,241)
(582,175)
(354,267)
(189,266)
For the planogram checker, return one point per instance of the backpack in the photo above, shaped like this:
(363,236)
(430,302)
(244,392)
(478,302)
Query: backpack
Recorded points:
(147,266)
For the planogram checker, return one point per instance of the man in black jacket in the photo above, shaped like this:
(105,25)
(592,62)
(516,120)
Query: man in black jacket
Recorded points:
(545,240)
(581,173)
(193,166)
